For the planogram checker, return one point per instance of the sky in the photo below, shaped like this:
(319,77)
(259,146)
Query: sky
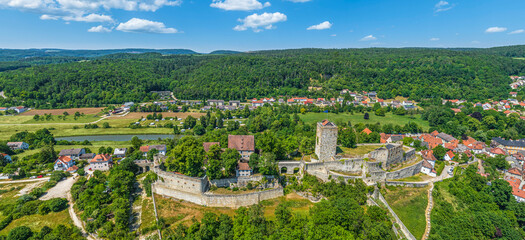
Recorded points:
(245,25)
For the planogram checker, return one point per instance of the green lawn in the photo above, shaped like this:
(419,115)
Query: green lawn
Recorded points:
(359,118)
(359,151)
(409,204)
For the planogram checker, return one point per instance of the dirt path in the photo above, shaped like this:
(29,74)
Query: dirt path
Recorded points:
(2,94)
(78,223)
(428,211)
(29,187)
(136,210)
(23,181)
(61,190)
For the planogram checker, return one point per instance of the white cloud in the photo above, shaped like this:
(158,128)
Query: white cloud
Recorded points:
(321,26)
(333,35)
(144,26)
(99,29)
(89,18)
(256,21)
(495,29)
(443,6)
(240,5)
(517,31)
(369,38)
(434,39)
(84,10)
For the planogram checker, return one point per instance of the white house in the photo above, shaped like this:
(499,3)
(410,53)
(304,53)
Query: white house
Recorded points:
(449,156)
(18,145)
(101,162)
(428,169)
(243,170)
(65,163)
(120,152)
(160,148)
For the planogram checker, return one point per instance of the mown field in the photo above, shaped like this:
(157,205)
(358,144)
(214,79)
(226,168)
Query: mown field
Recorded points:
(409,204)
(359,118)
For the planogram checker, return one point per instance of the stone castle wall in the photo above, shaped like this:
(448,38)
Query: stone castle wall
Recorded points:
(405,172)
(182,182)
(195,190)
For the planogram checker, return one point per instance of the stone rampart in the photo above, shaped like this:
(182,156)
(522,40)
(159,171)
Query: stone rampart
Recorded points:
(241,200)
(182,182)
(407,184)
(405,172)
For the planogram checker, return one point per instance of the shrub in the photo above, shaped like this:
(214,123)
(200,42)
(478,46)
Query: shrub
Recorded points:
(6,221)
(20,233)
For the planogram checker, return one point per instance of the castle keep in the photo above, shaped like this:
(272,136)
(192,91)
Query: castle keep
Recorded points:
(326,140)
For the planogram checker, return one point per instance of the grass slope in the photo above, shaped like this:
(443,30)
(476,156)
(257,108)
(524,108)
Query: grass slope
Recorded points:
(410,205)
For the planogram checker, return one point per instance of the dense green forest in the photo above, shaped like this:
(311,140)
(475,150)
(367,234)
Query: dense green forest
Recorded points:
(414,73)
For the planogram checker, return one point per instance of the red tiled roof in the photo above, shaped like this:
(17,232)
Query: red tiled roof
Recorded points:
(427,164)
(207,145)
(367,131)
(241,142)
(144,148)
(451,154)
(434,133)
(72,168)
(64,159)
(101,158)
(515,183)
(243,166)
(428,155)
(515,171)
(498,151)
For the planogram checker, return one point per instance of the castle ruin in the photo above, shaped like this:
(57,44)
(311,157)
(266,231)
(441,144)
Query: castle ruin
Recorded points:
(326,140)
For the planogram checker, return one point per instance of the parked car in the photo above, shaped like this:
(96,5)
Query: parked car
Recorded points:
(39,176)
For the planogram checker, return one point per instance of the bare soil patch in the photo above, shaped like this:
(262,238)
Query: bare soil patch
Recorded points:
(71,111)
(60,190)
(137,115)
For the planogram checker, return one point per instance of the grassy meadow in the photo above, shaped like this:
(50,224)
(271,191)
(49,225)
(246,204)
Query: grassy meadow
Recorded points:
(409,204)
(359,118)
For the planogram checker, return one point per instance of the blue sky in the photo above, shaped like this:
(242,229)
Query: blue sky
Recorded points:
(207,25)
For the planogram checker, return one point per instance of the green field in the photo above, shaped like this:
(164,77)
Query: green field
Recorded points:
(409,204)
(36,221)
(359,118)
(94,147)
(10,125)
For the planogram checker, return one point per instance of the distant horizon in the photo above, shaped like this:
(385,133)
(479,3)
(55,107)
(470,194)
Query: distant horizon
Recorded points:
(247,51)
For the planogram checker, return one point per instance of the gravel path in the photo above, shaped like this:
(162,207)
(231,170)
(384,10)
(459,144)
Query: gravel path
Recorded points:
(29,187)
(23,181)
(60,190)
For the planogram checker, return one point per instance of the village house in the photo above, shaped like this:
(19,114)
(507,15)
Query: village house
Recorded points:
(517,189)
(72,153)
(235,103)
(160,148)
(6,157)
(18,145)
(102,162)
(245,144)
(213,102)
(207,145)
(449,156)
(243,170)
(65,163)
(120,152)
(87,156)
(428,169)
(511,146)
(19,109)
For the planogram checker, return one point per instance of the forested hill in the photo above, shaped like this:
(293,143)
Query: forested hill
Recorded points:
(414,73)
(18,54)
(517,51)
